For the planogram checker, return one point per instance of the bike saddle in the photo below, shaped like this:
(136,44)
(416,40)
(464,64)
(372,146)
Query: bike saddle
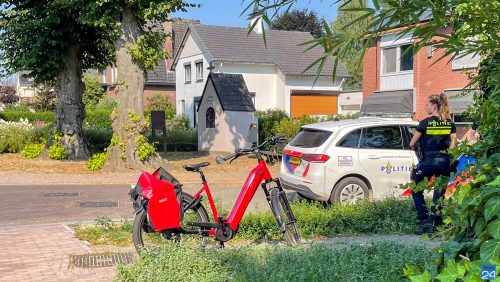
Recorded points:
(196,167)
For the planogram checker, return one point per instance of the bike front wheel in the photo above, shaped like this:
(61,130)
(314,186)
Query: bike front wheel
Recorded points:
(145,236)
(284,217)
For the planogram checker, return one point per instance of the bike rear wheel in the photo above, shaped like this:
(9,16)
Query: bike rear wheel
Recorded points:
(284,216)
(145,237)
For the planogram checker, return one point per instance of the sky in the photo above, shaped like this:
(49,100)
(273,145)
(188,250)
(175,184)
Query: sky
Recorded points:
(227,12)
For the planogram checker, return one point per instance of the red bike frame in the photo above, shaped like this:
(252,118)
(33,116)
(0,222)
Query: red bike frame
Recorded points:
(254,179)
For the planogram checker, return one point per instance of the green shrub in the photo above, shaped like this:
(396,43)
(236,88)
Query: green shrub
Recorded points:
(46,117)
(380,262)
(97,161)
(378,217)
(158,102)
(106,102)
(179,136)
(45,98)
(267,121)
(390,216)
(178,122)
(16,108)
(97,138)
(290,127)
(93,92)
(15,136)
(100,118)
(57,151)
(32,151)
(145,149)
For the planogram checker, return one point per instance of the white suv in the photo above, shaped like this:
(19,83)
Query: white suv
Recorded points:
(345,161)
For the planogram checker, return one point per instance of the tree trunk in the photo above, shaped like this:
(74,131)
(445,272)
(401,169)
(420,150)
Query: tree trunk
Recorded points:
(70,110)
(128,118)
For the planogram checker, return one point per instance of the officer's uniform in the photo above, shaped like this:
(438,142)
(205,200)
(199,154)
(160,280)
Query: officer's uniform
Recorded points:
(436,138)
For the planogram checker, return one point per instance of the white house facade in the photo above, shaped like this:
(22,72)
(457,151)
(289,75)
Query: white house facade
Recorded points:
(273,74)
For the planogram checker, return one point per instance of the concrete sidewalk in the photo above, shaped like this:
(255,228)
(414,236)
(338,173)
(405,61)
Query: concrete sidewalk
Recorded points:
(187,178)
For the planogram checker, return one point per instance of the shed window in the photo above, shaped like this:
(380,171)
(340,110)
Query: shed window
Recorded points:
(210,118)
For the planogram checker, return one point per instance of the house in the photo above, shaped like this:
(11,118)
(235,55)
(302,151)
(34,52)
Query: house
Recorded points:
(273,74)
(160,80)
(225,113)
(397,80)
(25,86)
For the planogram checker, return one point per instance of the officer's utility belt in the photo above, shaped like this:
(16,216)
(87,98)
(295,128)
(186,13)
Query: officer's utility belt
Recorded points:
(434,154)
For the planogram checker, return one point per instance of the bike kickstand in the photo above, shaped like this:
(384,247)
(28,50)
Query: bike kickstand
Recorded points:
(221,245)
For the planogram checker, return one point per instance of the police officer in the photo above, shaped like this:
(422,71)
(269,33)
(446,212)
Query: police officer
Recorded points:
(435,135)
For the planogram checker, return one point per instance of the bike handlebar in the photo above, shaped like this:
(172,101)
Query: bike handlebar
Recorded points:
(240,152)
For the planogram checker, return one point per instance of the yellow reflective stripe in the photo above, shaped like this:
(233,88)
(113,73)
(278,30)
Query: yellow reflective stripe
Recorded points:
(438,132)
(439,127)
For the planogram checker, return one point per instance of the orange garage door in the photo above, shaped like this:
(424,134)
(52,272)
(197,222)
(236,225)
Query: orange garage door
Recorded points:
(313,104)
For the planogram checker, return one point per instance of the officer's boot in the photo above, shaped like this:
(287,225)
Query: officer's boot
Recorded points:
(425,227)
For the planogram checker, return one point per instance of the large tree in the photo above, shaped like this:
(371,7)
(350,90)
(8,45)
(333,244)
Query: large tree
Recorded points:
(299,20)
(45,39)
(138,45)
(345,23)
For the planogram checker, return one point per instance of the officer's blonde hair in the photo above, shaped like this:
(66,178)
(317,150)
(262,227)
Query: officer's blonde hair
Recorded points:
(441,102)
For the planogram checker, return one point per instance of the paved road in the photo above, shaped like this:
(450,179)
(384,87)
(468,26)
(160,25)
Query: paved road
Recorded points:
(28,204)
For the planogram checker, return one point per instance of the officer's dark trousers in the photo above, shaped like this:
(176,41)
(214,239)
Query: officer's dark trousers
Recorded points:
(437,165)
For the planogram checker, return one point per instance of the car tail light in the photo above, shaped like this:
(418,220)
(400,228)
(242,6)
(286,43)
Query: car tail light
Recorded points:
(315,158)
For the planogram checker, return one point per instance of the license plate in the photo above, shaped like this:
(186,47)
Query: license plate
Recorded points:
(295,160)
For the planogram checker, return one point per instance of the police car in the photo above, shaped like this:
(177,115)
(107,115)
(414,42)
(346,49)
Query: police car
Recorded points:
(349,160)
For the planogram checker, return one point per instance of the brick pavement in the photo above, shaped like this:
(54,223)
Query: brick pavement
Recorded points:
(41,253)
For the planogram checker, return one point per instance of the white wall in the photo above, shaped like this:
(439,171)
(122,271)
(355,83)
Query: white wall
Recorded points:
(230,130)
(348,102)
(187,91)
(260,79)
(396,81)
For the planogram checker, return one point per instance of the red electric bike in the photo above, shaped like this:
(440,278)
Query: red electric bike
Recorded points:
(159,218)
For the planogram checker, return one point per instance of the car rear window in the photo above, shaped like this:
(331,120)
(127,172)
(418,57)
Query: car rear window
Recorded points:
(310,138)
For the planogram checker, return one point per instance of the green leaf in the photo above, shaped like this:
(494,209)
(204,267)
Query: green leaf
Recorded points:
(494,229)
(495,182)
(473,269)
(490,250)
(463,192)
(492,208)
(423,277)
(480,179)
(450,272)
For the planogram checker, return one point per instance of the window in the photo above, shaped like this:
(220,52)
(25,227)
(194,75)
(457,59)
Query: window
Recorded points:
(195,109)
(389,57)
(387,137)
(310,138)
(187,73)
(351,140)
(103,75)
(183,107)
(210,118)
(199,71)
(252,96)
(397,59)
(465,62)
(406,62)
(114,74)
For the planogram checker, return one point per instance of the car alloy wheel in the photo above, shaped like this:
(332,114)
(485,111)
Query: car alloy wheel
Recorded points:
(351,193)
